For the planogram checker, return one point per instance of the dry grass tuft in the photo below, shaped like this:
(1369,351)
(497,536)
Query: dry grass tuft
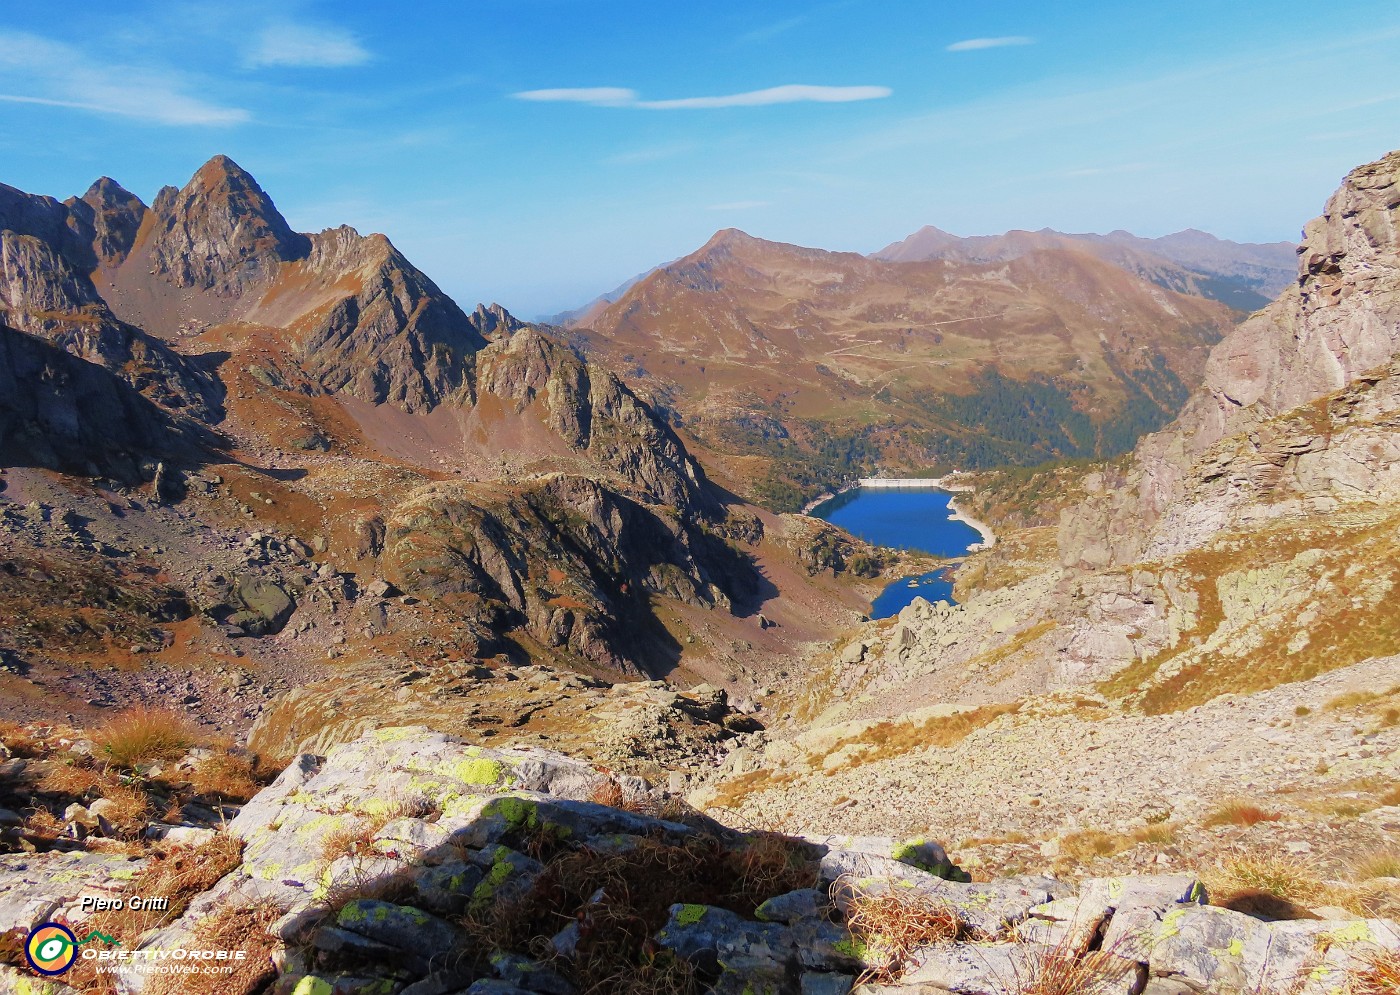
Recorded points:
(141,735)
(1352,699)
(1380,975)
(1090,843)
(1377,864)
(22,741)
(1160,834)
(1062,970)
(636,889)
(887,928)
(608,793)
(181,874)
(225,776)
(1240,813)
(1272,887)
(242,927)
(133,808)
(76,782)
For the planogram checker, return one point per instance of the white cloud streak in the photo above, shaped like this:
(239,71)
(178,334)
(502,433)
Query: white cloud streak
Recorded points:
(792,93)
(599,96)
(307,46)
(977,44)
(60,75)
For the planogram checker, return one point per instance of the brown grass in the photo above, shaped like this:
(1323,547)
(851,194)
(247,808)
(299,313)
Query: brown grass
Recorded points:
(1351,700)
(1379,976)
(21,740)
(616,954)
(1062,970)
(225,776)
(1263,885)
(1160,834)
(888,740)
(1090,843)
(1238,812)
(76,782)
(888,927)
(1377,864)
(608,793)
(181,874)
(241,927)
(142,735)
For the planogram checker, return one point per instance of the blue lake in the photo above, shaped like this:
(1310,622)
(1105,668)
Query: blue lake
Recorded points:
(904,519)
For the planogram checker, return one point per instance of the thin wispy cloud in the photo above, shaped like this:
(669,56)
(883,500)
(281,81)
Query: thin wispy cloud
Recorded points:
(977,44)
(771,31)
(38,70)
(650,153)
(792,93)
(307,46)
(600,96)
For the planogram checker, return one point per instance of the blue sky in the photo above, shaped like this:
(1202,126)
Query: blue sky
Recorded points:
(538,152)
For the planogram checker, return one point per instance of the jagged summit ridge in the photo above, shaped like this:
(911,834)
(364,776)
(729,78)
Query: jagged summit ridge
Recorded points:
(221,232)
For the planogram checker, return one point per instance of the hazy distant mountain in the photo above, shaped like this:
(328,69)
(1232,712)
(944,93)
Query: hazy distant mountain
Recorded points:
(582,315)
(838,360)
(1245,276)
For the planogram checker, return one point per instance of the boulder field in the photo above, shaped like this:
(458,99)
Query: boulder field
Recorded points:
(409,862)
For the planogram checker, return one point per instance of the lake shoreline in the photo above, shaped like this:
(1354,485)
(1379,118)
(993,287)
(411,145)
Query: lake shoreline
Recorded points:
(958,514)
(948,483)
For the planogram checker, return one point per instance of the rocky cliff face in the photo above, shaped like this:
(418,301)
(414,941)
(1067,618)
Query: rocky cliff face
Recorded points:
(60,412)
(1242,438)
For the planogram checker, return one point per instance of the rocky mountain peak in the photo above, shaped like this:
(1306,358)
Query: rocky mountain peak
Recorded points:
(221,232)
(114,214)
(495,321)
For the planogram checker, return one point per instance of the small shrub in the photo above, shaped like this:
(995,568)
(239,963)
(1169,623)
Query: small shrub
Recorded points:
(1240,813)
(1302,711)
(141,735)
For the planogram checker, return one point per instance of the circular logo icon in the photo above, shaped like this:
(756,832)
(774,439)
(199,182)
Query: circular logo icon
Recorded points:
(51,948)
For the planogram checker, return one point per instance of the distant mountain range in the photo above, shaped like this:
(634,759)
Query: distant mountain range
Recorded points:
(822,364)
(1245,276)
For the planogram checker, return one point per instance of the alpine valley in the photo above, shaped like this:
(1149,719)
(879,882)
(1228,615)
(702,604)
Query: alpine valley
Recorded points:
(416,650)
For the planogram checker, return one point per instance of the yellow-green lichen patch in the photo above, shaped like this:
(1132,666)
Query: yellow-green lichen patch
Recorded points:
(1171,923)
(852,947)
(500,873)
(394,734)
(689,915)
(311,985)
(479,772)
(1353,932)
